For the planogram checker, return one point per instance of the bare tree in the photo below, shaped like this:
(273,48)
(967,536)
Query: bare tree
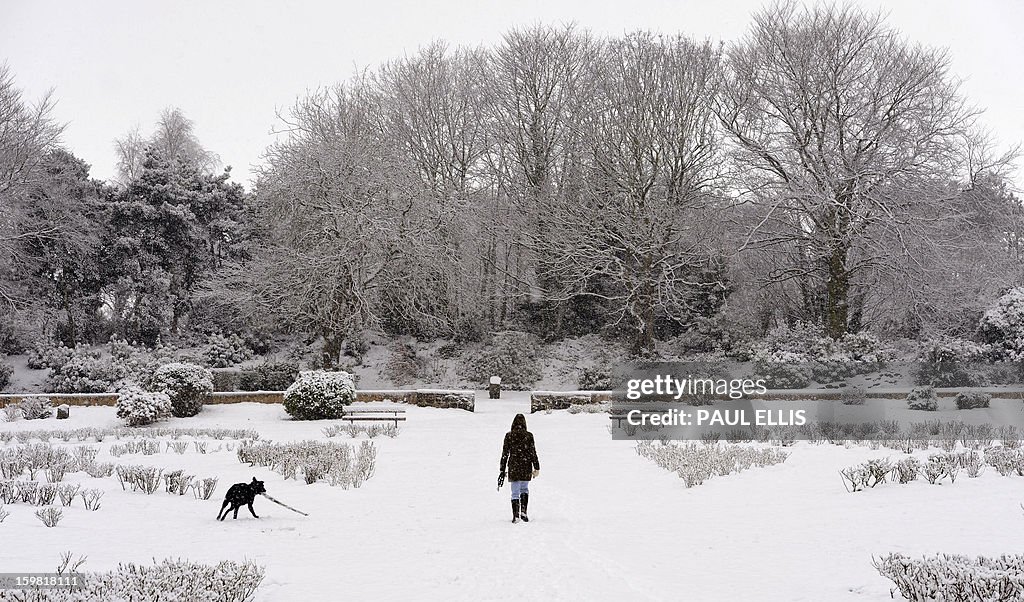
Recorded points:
(173,138)
(28,133)
(640,233)
(543,80)
(847,139)
(349,221)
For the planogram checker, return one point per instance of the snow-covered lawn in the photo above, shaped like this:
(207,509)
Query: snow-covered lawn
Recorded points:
(605,523)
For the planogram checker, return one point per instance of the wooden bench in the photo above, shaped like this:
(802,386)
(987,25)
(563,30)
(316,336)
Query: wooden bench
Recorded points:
(380,415)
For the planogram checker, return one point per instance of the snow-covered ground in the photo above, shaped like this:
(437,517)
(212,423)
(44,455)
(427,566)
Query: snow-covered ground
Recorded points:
(605,524)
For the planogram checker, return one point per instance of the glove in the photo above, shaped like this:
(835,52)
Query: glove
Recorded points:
(535,473)
(501,479)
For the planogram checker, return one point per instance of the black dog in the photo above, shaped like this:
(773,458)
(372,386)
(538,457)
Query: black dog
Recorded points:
(241,494)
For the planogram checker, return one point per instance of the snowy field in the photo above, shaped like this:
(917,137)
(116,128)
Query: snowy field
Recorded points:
(605,523)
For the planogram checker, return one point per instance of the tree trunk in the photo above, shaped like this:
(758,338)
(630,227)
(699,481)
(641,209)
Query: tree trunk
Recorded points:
(331,349)
(837,289)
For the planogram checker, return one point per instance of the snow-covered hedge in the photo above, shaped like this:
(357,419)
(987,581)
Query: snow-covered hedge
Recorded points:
(226,581)
(316,394)
(340,464)
(189,386)
(1002,327)
(695,463)
(969,400)
(954,577)
(138,408)
(790,357)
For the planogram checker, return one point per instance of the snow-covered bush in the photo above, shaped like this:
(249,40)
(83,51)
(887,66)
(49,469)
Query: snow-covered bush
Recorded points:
(43,356)
(940,466)
(50,516)
(596,378)
(226,581)
(316,395)
(782,369)
(138,408)
(953,577)
(189,386)
(224,351)
(338,463)
(269,376)
(969,400)
(35,408)
(697,463)
(512,355)
(906,470)
(946,362)
(1002,327)
(866,475)
(791,356)
(85,373)
(923,398)
(1005,461)
(120,349)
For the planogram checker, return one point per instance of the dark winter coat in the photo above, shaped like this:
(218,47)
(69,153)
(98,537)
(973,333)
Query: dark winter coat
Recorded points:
(518,453)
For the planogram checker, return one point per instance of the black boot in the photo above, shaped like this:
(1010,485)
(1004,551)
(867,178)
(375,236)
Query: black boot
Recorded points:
(515,511)
(524,499)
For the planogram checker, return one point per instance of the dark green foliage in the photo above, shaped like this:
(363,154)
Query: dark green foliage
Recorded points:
(269,376)
(512,355)
(6,371)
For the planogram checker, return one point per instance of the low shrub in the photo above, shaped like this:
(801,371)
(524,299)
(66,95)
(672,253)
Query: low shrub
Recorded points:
(969,400)
(338,463)
(867,475)
(226,581)
(906,470)
(189,387)
(35,408)
(923,398)
(137,407)
(317,395)
(697,463)
(953,577)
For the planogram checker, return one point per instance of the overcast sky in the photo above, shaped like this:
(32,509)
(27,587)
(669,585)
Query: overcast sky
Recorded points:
(229,65)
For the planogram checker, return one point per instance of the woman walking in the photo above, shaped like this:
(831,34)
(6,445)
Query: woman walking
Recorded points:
(519,455)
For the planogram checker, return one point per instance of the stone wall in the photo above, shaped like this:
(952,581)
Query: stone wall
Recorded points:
(436,398)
